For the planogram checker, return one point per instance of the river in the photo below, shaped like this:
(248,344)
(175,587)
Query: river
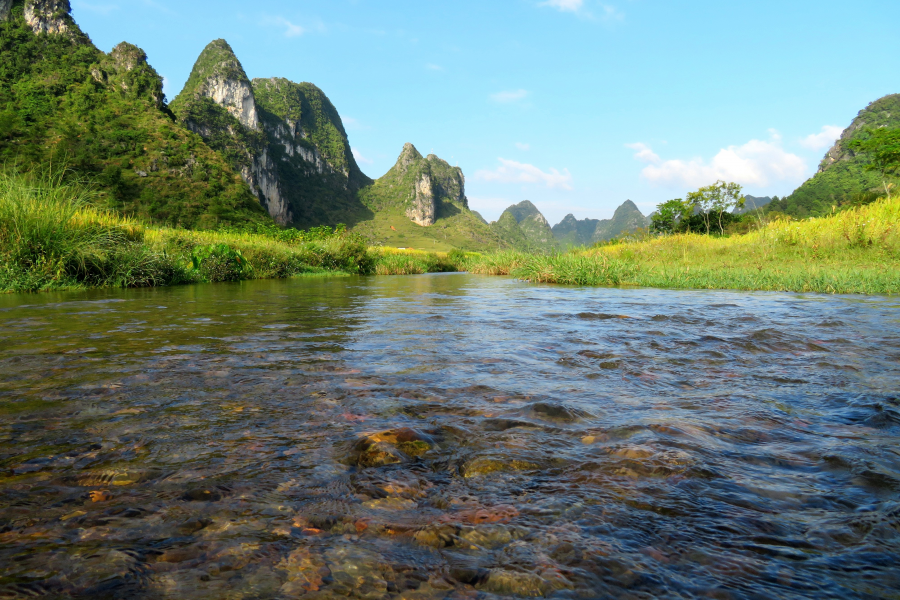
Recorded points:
(448,436)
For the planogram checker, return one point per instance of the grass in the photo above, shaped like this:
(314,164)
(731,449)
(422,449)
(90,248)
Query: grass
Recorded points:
(852,252)
(53,237)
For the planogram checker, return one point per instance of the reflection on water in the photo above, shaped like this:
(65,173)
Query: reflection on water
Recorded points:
(448,437)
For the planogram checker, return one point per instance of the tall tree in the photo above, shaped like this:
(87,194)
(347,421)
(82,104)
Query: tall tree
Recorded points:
(714,201)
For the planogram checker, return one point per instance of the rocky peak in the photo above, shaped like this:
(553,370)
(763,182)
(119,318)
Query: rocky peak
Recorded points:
(47,16)
(407,157)
(219,75)
(127,69)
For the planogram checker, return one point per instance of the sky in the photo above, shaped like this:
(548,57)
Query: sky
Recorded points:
(576,105)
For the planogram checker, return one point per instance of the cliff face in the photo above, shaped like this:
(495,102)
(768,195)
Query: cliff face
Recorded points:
(285,138)
(48,16)
(585,232)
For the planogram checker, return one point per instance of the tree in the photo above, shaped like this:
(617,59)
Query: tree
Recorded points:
(882,145)
(669,214)
(714,201)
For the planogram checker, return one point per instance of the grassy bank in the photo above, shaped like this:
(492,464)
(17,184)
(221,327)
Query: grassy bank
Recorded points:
(53,237)
(851,252)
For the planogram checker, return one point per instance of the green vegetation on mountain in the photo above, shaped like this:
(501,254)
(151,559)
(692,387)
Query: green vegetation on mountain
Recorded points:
(63,101)
(844,177)
(523,227)
(571,232)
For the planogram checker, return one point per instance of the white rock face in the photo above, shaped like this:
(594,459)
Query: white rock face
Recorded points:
(5,7)
(47,16)
(269,190)
(422,212)
(237,98)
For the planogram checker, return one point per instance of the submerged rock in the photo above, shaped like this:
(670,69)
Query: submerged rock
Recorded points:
(390,447)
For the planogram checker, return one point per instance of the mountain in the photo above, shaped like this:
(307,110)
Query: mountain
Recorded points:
(572,232)
(285,139)
(751,203)
(842,176)
(421,202)
(524,227)
(103,116)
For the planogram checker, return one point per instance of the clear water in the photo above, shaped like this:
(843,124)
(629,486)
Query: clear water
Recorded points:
(448,436)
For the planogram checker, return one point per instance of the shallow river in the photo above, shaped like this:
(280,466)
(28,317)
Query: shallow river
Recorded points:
(448,436)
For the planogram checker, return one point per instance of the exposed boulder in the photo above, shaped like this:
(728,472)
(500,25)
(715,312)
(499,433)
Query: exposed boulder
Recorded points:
(47,16)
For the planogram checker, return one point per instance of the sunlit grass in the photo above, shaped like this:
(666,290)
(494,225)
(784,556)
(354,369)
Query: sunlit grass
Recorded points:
(856,251)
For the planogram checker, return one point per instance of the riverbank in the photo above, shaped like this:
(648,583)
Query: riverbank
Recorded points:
(852,252)
(53,237)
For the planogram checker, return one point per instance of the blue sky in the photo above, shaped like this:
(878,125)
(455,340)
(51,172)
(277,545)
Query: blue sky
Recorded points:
(576,105)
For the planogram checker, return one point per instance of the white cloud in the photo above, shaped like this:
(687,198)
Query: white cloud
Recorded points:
(522,146)
(509,96)
(823,139)
(290,29)
(644,153)
(757,163)
(564,5)
(608,12)
(511,171)
(360,158)
(353,124)
(433,67)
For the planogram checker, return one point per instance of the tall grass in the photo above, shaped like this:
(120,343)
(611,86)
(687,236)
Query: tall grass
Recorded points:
(393,261)
(51,236)
(855,251)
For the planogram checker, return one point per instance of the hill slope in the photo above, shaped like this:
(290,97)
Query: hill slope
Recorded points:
(103,116)
(842,175)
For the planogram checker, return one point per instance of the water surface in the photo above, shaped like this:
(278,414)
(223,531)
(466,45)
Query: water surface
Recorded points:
(448,436)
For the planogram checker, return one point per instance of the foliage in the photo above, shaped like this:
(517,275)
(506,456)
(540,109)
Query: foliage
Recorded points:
(711,203)
(883,148)
(669,215)
(64,101)
(220,262)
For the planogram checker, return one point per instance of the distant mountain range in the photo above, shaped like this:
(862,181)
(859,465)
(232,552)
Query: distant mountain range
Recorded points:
(524,227)
(751,203)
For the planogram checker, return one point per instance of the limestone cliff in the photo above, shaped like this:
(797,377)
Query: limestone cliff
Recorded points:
(286,139)
(425,188)
(48,16)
